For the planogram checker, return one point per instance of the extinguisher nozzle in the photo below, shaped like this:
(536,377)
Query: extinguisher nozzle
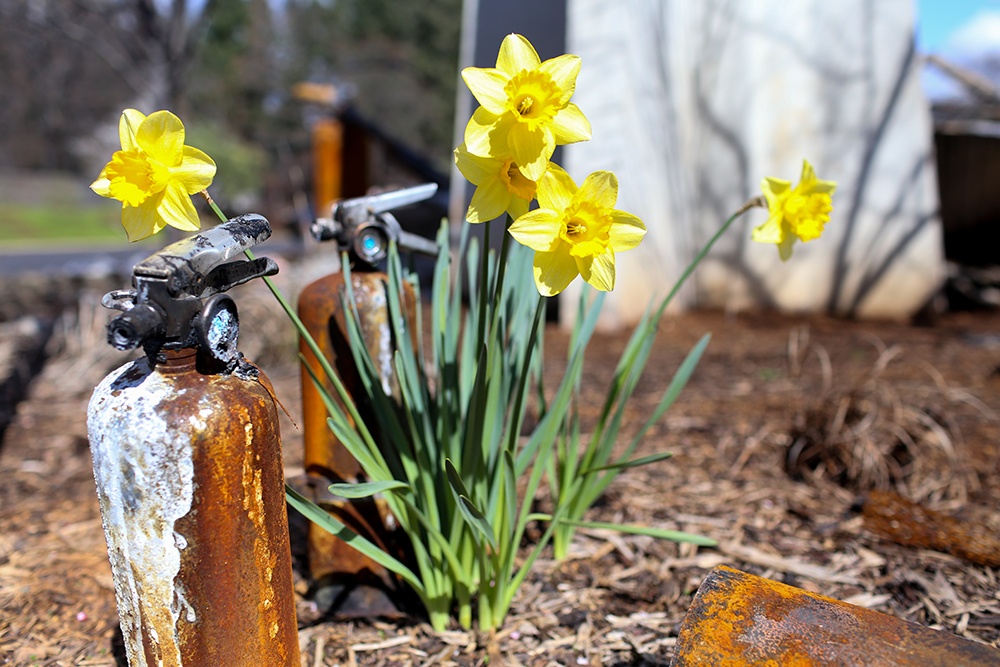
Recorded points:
(131,328)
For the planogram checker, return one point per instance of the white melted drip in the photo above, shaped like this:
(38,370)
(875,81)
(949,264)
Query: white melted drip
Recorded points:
(144,472)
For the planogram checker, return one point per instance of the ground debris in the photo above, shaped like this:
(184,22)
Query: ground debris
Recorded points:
(618,599)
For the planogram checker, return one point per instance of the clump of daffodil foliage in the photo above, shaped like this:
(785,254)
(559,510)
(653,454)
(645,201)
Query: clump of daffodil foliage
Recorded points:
(456,470)
(455,467)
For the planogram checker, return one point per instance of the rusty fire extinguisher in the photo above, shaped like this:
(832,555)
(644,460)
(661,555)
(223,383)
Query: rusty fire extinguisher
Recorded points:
(344,581)
(187,459)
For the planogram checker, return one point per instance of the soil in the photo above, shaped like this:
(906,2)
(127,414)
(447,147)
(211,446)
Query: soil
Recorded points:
(785,429)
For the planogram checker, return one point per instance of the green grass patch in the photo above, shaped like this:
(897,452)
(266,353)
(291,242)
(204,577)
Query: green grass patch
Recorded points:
(61,222)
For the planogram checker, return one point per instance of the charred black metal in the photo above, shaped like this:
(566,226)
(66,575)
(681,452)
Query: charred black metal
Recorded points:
(167,311)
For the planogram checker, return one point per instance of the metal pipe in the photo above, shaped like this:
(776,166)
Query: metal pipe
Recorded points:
(740,620)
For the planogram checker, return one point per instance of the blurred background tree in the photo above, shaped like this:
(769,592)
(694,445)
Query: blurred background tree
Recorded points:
(68,68)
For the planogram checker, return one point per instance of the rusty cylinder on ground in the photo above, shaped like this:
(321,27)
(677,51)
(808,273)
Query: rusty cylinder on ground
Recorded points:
(741,620)
(187,460)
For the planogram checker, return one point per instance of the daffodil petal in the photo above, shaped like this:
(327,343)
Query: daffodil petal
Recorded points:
(478,130)
(822,187)
(773,189)
(532,148)
(102,185)
(516,53)
(476,168)
(161,136)
(489,201)
(770,231)
(177,210)
(196,171)
(598,270)
(487,87)
(517,207)
(555,188)
(601,188)
(128,125)
(570,126)
(563,71)
(785,247)
(808,173)
(626,231)
(554,271)
(538,229)
(142,221)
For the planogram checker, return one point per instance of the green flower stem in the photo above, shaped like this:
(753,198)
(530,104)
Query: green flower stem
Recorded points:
(484,260)
(501,273)
(313,347)
(704,251)
(213,205)
(581,480)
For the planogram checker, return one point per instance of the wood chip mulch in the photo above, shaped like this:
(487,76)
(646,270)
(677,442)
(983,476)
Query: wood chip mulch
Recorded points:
(783,432)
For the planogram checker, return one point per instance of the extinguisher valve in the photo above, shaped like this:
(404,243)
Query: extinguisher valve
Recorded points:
(363,227)
(168,307)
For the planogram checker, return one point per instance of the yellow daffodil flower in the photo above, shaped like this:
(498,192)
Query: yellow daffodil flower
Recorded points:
(795,215)
(154,174)
(577,231)
(525,110)
(500,186)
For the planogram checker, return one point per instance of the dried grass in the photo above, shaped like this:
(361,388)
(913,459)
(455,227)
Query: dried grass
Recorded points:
(875,436)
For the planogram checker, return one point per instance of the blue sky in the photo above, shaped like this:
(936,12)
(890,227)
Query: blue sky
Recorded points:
(958,30)
(941,22)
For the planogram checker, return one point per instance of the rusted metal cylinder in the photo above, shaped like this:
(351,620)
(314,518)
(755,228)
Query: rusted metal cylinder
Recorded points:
(903,521)
(362,587)
(740,620)
(190,481)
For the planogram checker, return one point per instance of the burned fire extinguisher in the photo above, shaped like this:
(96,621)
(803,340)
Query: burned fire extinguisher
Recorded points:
(187,459)
(346,582)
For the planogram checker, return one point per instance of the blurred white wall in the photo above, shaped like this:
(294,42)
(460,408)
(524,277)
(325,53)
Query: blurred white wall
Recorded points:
(693,103)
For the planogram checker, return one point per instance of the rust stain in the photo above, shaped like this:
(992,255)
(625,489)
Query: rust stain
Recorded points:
(242,574)
(739,620)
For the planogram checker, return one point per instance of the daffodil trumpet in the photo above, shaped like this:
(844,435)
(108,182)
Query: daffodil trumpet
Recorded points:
(577,231)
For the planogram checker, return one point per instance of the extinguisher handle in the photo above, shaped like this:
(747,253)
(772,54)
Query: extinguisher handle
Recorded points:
(165,308)
(187,265)
(416,243)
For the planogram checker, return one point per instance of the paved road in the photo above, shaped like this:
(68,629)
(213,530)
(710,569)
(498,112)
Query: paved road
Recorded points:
(83,261)
(72,261)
